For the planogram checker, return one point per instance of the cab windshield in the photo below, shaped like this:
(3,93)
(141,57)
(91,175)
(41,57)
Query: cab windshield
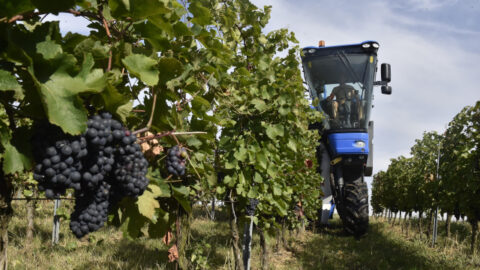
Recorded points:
(343,85)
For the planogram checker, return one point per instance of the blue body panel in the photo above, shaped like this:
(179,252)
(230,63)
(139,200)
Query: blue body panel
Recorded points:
(344,143)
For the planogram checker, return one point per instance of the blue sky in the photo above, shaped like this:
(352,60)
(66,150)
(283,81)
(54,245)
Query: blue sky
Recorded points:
(432,45)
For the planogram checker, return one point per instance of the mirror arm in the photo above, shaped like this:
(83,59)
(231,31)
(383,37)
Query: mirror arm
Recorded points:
(380,83)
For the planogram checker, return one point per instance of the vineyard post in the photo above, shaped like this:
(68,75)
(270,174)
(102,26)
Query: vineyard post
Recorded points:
(435,220)
(56,223)
(247,235)
(248,243)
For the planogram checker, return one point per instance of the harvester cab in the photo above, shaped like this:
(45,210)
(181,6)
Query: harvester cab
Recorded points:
(340,81)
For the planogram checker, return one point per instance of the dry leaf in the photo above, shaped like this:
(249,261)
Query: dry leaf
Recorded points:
(157,150)
(145,147)
(167,238)
(173,253)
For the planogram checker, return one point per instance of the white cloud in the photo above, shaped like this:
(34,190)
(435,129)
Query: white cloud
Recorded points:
(424,4)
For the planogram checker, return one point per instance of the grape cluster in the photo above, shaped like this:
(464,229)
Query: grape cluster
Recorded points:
(58,159)
(130,170)
(90,212)
(100,139)
(176,160)
(250,209)
(103,165)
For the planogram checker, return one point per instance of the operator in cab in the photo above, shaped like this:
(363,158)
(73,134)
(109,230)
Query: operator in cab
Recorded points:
(343,96)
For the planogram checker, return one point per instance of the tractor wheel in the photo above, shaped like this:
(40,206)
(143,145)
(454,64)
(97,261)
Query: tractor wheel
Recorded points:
(354,212)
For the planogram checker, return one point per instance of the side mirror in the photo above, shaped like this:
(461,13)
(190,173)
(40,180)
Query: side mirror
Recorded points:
(386,73)
(386,90)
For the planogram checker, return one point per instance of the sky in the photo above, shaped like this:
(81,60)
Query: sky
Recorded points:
(432,46)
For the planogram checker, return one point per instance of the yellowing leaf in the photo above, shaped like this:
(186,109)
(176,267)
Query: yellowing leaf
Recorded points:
(147,204)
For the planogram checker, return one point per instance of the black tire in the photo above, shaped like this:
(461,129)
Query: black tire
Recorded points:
(354,213)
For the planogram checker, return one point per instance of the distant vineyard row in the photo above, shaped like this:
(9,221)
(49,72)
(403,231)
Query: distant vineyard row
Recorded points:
(443,172)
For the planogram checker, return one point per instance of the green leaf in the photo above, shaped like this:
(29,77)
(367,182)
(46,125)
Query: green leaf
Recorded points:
(115,102)
(119,7)
(241,154)
(274,130)
(181,195)
(292,145)
(17,156)
(257,178)
(220,190)
(262,160)
(160,190)
(60,95)
(200,106)
(252,193)
(193,141)
(160,228)
(27,193)
(170,67)
(181,29)
(137,9)
(8,82)
(147,205)
(142,67)
(140,9)
(49,49)
(201,15)
(259,104)
(95,47)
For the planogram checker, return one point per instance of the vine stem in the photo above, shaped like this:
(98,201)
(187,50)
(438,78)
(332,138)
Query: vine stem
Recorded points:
(168,133)
(174,181)
(149,124)
(105,24)
(195,169)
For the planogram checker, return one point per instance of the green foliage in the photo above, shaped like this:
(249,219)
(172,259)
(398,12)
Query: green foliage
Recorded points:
(200,65)
(264,135)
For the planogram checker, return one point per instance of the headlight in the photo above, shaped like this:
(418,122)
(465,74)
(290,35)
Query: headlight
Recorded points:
(366,45)
(359,144)
(311,50)
(375,45)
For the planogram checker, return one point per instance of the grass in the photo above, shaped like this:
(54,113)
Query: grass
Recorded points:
(385,247)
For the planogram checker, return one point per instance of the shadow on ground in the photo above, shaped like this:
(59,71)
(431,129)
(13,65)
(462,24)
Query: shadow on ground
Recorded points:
(331,248)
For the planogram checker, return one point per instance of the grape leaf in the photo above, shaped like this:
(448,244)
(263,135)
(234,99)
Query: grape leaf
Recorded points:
(142,67)
(9,82)
(181,195)
(201,14)
(17,155)
(60,95)
(147,205)
(49,49)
